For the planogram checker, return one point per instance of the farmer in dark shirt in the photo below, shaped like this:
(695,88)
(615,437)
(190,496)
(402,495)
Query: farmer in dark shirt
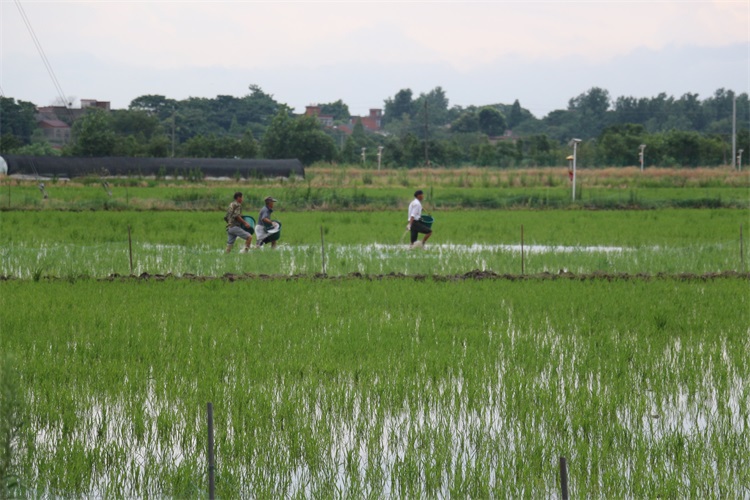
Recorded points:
(265,223)
(237,227)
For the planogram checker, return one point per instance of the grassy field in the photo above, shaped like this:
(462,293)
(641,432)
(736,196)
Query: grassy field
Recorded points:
(622,344)
(388,387)
(95,244)
(358,189)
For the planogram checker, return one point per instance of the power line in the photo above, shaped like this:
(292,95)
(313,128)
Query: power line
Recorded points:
(42,54)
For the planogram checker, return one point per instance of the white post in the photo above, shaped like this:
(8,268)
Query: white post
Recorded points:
(363,155)
(739,159)
(380,155)
(574,170)
(575,146)
(640,155)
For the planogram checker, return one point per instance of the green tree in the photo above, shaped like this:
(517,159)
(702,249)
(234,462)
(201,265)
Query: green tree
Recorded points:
(430,109)
(9,143)
(507,154)
(590,112)
(159,146)
(41,148)
(491,121)
(248,146)
(157,105)
(618,145)
(17,119)
(135,122)
(516,115)
(93,135)
(338,110)
(467,122)
(398,107)
(484,155)
(691,149)
(301,138)
(352,150)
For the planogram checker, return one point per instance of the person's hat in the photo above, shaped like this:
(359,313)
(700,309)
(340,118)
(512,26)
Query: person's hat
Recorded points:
(270,198)
(418,192)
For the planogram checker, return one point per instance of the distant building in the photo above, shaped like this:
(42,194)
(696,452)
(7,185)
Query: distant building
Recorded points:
(508,136)
(55,131)
(373,122)
(68,114)
(56,121)
(314,110)
(93,103)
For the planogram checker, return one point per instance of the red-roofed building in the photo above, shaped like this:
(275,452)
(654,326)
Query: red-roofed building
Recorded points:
(55,131)
(314,110)
(373,122)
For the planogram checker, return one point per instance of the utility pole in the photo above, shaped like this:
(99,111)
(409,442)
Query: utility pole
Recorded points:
(734,130)
(574,143)
(173,127)
(426,135)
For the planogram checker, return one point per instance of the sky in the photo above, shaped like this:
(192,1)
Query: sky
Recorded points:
(542,53)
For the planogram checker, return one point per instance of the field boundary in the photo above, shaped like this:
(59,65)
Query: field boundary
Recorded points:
(476,275)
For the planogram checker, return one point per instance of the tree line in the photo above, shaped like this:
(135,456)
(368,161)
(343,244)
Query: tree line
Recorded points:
(416,130)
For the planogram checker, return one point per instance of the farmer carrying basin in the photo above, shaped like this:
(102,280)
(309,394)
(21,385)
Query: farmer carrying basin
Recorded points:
(273,231)
(251,222)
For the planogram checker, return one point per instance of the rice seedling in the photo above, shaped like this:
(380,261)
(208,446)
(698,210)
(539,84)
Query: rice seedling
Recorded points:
(381,387)
(671,241)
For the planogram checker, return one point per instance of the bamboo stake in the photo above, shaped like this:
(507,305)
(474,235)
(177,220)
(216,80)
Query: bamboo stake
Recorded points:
(564,478)
(522,263)
(211,465)
(130,250)
(742,250)
(323,250)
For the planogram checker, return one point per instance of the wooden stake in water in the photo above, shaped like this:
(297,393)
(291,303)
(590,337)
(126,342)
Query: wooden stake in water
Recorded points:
(211,466)
(130,250)
(522,249)
(322,250)
(742,251)
(564,478)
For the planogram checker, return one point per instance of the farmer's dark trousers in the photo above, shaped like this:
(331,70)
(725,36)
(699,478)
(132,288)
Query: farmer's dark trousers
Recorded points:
(418,227)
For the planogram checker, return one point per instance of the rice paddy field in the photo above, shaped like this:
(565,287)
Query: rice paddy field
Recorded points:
(343,364)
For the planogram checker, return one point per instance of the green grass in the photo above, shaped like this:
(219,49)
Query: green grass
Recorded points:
(392,387)
(303,195)
(35,245)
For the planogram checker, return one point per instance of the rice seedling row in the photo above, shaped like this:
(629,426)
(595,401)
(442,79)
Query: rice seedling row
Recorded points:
(61,244)
(386,387)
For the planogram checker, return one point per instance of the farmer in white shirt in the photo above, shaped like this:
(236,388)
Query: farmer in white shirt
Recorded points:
(415,224)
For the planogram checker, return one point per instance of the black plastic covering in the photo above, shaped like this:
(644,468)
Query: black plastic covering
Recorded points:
(76,166)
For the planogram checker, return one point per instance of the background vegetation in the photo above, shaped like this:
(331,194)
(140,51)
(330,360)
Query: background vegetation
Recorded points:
(417,131)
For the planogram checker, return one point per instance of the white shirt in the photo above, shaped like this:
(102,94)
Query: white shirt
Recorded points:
(415,210)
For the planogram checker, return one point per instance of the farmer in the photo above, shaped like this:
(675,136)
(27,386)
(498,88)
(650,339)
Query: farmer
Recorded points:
(415,224)
(237,227)
(265,223)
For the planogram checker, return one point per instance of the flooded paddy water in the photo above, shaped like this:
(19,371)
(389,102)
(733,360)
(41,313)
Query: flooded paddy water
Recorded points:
(22,261)
(382,388)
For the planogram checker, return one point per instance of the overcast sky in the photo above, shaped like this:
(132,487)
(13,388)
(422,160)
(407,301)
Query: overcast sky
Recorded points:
(540,52)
